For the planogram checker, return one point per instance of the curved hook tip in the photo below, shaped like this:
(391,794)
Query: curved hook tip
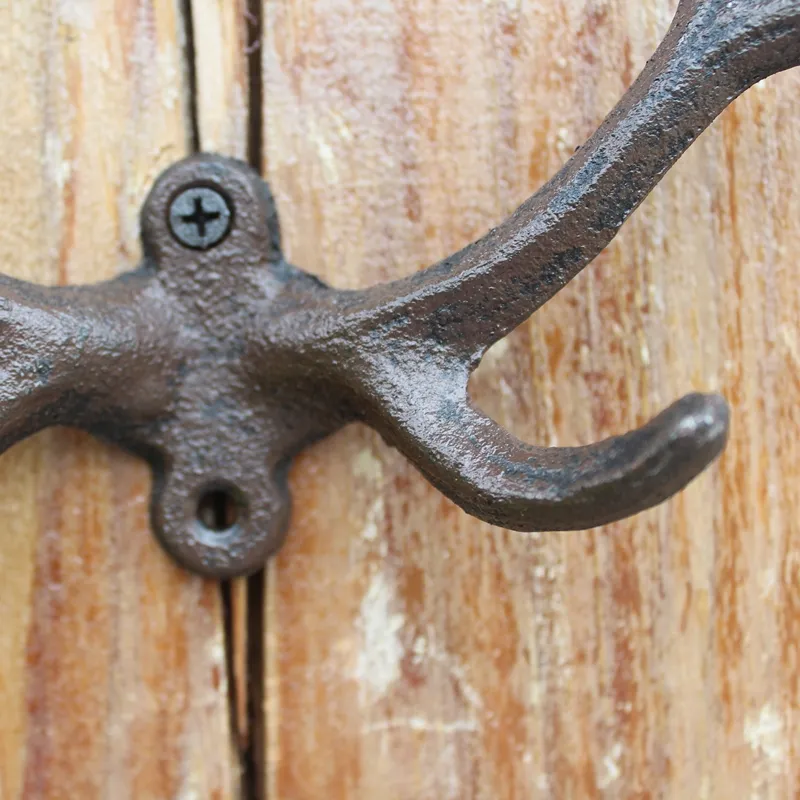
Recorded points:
(496,477)
(696,427)
(634,472)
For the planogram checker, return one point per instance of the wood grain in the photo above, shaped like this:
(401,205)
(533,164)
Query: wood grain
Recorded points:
(112,660)
(223,86)
(416,653)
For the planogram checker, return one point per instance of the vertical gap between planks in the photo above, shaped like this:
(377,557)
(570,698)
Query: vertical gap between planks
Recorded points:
(255,120)
(253,767)
(253,757)
(191,74)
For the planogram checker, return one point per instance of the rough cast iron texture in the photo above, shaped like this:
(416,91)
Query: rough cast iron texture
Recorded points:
(218,361)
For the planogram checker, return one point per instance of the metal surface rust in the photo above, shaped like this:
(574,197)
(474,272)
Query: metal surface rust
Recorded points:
(218,361)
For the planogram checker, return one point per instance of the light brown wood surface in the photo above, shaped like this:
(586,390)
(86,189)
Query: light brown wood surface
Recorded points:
(416,653)
(113,676)
(410,651)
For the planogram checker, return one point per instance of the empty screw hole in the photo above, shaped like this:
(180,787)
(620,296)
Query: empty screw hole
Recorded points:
(218,510)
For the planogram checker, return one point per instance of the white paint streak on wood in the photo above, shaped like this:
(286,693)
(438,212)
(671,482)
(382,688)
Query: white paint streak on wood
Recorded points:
(381,652)
(611,771)
(423,725)
(766,735)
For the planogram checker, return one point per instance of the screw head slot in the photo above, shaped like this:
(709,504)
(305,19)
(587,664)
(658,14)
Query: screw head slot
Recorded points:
(200,217)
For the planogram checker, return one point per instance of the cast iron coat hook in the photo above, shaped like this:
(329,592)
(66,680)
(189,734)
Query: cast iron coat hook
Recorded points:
(218,361)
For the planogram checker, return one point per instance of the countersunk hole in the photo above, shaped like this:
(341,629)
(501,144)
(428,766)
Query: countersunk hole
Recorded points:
(218,510)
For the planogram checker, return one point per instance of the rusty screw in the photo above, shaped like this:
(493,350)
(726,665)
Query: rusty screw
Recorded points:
(200,217)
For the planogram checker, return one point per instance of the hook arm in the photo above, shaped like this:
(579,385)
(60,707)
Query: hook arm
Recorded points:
(80,356)
(714,50)
(494,476)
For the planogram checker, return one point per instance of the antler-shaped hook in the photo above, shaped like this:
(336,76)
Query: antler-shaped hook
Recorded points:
(218,361)
(447,316)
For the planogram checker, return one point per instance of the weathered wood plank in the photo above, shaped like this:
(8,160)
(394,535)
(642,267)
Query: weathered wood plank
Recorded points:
(112,660)
(416,653)
(223,86)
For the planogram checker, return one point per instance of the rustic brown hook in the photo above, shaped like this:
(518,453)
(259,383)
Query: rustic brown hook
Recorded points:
(218,361)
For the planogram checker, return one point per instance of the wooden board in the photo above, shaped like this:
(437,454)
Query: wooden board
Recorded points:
(413,652)
(112,660)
